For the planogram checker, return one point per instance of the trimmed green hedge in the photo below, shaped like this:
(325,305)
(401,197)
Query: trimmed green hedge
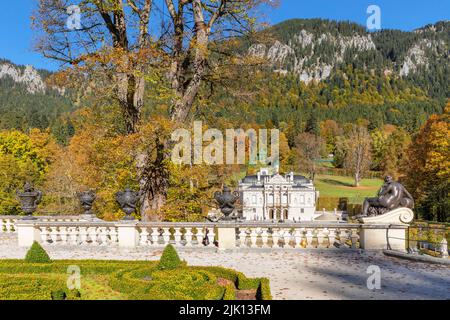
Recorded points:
(154,284)
(138,280)
(37,254)
(169,259)
(339,203)
(88,267)
(263,292)
(30,287)
(230,292)
(241,281)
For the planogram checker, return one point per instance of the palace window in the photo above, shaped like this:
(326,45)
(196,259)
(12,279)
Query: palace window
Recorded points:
(302,199)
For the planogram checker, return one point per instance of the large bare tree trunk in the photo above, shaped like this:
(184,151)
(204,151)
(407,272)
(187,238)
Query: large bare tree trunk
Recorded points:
(155,175)
(154,181)
(130,93)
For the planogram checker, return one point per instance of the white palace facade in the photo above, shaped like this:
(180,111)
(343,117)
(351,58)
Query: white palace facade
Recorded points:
(267,197)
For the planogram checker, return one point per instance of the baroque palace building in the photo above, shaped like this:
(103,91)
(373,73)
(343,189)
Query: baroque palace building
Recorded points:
(267,197)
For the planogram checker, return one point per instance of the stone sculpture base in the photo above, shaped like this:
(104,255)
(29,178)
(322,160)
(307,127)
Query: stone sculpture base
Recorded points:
(387,231)
(403,216)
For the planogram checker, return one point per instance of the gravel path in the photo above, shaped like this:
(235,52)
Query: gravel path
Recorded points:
(293,274)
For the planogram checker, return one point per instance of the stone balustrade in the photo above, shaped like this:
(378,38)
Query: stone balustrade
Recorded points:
(373,233)
(7,222)
(177,234)
(76,233)
(298,235)
(190,235)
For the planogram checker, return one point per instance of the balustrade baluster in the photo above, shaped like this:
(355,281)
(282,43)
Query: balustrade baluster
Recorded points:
(188,237)
(154,236)
(211,237)
(342,237)
(239,233)
(8,225)
(54,235)
(331,238)
(177,236)
(275,238)
(73,236)
(200,236)
(309,238)
(247,239)
(253,238)
(264,238)
(166,235)
(83,235)
(103,236)
(113,235)
(303,241)
(284,236)
(143,241)
(297,236)
(321,236)
(44,235)
(63,235)
(93,235)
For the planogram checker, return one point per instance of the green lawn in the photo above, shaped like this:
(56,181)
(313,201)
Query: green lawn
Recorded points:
(339,186)
(121,280)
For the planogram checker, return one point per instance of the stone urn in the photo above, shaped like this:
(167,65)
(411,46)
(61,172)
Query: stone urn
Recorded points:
(128,200)
(87,199)
(29,200)
(226,200)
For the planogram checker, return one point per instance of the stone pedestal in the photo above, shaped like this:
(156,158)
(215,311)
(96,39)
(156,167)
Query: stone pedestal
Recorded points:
(387,231)
(128,234)
(226,236)
(383,237)
(27,233)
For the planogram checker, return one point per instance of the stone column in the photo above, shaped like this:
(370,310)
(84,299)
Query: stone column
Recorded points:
(128,234)
(27,232)
(226,236)
(387,231)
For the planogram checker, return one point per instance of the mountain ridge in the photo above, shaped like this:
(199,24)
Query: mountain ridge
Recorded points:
(313,48)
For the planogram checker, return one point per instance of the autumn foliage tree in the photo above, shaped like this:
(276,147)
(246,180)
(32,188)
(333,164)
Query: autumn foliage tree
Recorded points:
(309,149)
(356,147)
(117,48)
(427,168)
(23,157)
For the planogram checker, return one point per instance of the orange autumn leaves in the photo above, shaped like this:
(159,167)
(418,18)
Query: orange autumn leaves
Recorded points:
(427,167)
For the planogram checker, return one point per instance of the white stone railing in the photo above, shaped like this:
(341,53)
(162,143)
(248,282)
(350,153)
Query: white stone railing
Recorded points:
(7,223)
(177,234)
(299,235)
(374,235)
(76,233)
(189,235)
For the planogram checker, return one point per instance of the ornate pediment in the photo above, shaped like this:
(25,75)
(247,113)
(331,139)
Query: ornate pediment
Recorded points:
(277,179)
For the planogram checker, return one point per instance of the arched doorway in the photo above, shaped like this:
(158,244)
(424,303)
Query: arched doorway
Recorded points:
(271,214)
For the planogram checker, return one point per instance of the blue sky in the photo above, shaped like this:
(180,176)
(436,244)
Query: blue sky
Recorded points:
(17,37)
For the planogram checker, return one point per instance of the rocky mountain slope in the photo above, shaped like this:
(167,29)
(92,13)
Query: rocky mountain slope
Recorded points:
(27,76)
(25,99)
(314,49)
